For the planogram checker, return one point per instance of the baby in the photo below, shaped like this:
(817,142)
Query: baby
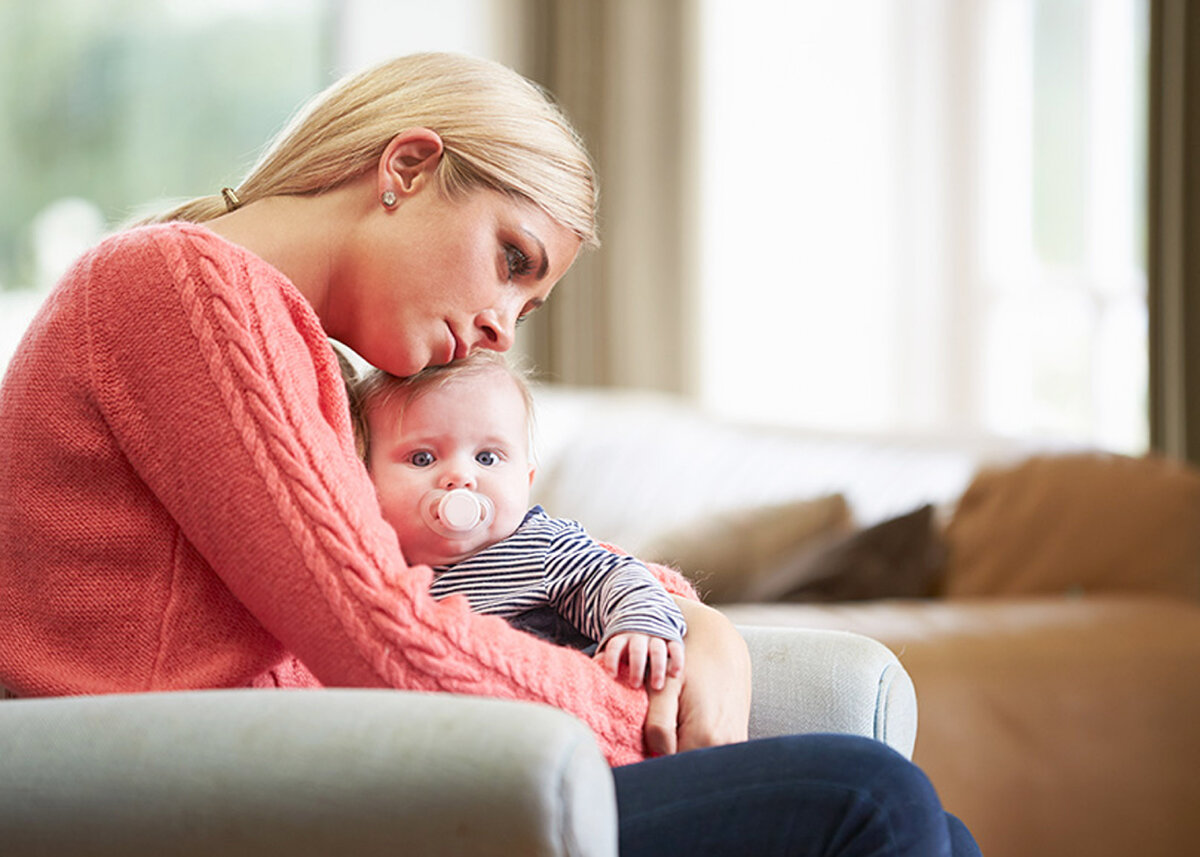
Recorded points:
(449,451)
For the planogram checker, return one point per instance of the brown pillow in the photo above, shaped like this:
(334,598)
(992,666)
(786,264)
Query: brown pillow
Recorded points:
(901,557)
(725,554)
(1086,522)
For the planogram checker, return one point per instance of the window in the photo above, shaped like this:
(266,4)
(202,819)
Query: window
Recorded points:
(114,106)
(112,110)
(926,216)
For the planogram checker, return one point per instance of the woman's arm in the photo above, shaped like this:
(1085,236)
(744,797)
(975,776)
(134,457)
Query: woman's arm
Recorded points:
(710,704)
(223,394)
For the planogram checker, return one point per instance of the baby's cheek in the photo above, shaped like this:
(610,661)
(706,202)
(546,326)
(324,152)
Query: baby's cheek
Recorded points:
(505,524)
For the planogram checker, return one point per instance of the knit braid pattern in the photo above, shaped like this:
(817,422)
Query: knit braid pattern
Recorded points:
(407,639)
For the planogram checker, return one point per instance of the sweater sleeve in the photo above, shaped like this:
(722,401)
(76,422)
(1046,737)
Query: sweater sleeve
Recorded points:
(216,380)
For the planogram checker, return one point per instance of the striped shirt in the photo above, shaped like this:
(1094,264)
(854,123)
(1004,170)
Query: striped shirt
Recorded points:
(553,562)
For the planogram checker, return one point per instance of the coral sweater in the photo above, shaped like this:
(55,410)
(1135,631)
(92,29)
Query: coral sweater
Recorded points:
(181,506)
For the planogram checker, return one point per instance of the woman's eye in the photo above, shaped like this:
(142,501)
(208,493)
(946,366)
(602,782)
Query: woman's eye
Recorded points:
(529,308)
(518,263)
(487,458)
(421,459)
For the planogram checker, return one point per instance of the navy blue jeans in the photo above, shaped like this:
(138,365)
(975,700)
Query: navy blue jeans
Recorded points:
(810,795)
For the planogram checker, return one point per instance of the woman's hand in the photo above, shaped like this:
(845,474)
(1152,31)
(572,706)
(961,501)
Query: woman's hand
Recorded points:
(710,703)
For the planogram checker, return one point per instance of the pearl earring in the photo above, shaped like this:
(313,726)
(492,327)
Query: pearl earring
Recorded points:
(388,199)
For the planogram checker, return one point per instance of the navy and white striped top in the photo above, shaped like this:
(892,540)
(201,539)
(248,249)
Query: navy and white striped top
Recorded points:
(553,562)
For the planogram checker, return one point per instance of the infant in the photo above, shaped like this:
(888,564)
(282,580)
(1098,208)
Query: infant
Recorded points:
(449,451)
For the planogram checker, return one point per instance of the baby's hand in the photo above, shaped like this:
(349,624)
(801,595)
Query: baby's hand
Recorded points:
(646,658)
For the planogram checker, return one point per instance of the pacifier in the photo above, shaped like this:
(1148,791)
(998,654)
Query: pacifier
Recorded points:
(455,513)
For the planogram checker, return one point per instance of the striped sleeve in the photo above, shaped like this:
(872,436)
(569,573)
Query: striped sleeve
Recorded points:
(604,593)
(554,562)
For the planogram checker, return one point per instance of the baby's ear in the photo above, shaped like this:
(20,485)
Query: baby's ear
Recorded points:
(532,473)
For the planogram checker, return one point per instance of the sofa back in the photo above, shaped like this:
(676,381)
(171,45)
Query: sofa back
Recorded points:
(634,466)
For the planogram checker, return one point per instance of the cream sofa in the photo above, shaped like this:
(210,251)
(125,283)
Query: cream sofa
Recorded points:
(1046,603)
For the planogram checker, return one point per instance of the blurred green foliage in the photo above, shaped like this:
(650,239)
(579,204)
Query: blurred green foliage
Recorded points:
(132,103)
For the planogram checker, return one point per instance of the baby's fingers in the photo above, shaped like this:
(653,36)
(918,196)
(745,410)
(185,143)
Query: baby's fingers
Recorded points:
(659,658)
(610,656)
(675,658)
(636,659)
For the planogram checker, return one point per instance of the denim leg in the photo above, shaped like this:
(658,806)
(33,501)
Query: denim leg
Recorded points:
(794,796)
(962,843)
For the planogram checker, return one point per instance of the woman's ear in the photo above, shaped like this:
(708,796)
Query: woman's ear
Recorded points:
(409,160)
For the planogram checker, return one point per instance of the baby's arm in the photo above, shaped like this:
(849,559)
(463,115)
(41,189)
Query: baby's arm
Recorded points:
(614,598)
(644,656)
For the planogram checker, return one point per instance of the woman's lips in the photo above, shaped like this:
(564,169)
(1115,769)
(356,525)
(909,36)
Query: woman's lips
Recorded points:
(449,351)
(461,349)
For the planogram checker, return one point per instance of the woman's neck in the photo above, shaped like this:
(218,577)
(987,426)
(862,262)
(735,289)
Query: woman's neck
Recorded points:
(301,236)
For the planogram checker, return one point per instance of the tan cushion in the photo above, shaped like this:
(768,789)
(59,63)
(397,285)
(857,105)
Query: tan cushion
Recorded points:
(726,555)
(1087,522)
(901,557)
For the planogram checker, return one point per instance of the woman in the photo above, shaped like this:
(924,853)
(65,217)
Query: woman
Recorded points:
(181,505)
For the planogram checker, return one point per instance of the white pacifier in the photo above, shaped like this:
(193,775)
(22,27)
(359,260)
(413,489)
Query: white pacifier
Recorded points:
(455,513)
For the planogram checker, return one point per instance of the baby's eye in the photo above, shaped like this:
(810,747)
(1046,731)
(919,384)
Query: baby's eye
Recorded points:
(421,458)
(487,458)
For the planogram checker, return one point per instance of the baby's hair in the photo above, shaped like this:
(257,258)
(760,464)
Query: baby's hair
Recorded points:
(353,383)
(377,389)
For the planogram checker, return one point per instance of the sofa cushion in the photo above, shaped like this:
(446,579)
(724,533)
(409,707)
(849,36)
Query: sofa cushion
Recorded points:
(1085,522)
(901,557)
(727,554)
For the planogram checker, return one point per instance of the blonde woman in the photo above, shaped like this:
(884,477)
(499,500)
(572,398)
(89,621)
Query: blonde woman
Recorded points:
(181,504)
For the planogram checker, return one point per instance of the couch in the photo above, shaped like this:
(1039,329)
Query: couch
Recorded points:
(1045,601)
(365,772)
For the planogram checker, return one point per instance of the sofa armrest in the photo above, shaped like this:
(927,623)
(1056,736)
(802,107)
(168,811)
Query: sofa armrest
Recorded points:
(808,680)
(300,773)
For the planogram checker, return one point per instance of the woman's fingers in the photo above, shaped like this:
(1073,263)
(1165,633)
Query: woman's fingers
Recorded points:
(662,719)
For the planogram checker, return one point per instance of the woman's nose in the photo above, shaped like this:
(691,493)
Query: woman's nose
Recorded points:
(499,330)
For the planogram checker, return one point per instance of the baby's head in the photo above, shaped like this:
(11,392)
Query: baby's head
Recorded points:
(465,425)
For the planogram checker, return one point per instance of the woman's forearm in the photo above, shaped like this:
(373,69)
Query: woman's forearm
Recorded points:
(715,702)
(711,704)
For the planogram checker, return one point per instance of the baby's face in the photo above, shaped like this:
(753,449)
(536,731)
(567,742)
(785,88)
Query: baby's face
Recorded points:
(470,433)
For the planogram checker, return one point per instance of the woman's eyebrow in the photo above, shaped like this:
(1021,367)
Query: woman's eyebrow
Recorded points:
(545,266)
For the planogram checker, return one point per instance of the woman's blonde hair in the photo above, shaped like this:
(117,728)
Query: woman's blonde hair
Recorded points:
(499,130)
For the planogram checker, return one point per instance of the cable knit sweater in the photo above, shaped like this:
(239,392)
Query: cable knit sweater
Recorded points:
(181,506)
